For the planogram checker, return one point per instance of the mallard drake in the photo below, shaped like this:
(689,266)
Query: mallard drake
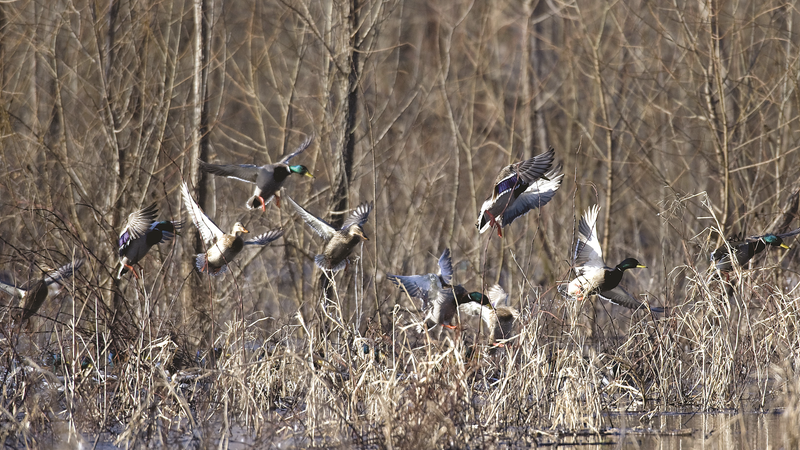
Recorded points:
(225,246)
(592,274)
(519,188)
(746,248)
(140,233)
(440,298)
(268,178)
(34,292)
(338,243)
(499,319)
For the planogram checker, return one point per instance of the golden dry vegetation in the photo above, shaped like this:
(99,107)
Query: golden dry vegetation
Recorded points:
(679,118)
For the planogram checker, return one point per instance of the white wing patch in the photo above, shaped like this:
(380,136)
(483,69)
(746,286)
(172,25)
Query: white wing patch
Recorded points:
(209,231)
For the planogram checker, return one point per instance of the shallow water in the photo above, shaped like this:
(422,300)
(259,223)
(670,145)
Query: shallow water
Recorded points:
(689,431)
(668,431)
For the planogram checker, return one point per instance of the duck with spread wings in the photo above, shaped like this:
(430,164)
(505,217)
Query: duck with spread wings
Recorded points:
(224,247)
(268,178)
(338,243)
(593,276)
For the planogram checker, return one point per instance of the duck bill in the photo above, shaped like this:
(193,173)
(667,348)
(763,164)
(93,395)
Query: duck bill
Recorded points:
(641,266)
(244,230)
(784,246)
(308,174)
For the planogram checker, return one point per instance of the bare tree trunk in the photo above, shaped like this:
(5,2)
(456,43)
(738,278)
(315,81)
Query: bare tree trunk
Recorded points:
(346,91)
(537,134)
(199,151)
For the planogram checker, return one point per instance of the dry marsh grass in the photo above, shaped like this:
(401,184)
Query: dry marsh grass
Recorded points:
(678,120)
(327,384)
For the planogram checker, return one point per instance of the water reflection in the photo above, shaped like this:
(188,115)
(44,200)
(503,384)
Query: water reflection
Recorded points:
(690,431)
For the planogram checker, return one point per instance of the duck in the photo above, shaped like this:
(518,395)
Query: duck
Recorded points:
(499,319)
(34,292)
(224,247)
(440,298)
(338,243)
(140,233)
(268,178)
(593,276)
(518,189)
(746,248)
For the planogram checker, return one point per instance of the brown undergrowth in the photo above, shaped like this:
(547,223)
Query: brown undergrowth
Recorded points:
(324,383)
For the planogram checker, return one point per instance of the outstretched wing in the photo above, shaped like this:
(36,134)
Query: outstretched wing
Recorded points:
(497,296)
(11,289)
(138,224)
(63,272)
(789,234)
(588,252)
(619,296)
(242,172)
(320,226)
(532,169)
(208,229)
(538,194)
(417,286)
(168,229)
(446,267)
(299,150)
(265,238)
(358,216)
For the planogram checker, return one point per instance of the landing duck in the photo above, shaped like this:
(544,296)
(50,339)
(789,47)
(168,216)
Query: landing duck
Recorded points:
(440,298)
(746,248)
(519,188)
(268,178)
(338,243)
(224,247)
(34,292)
(593,276)
(140,233)
(498,318)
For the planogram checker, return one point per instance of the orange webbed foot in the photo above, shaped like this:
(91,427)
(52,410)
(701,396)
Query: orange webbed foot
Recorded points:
(133,271)
(493,223)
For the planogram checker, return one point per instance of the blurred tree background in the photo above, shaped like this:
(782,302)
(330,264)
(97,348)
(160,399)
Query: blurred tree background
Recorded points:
(661,112)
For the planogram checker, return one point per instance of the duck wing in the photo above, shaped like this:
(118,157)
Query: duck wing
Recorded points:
(789,234)
(168,230)
(242,172)
(619,296)
(446,267)
(588,253)
(532,169)
(265,238)
(63,272)
(209,231)
(417,286)
(138,224)
(359,216)
(322,228)
(299,150)
(443,306)
(538,194)
(7,286)
(497,295)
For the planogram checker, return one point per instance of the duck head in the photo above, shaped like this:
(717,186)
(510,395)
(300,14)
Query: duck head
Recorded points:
(630,263)
(356,230)
(301,170)
(238,229)
(775,241)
